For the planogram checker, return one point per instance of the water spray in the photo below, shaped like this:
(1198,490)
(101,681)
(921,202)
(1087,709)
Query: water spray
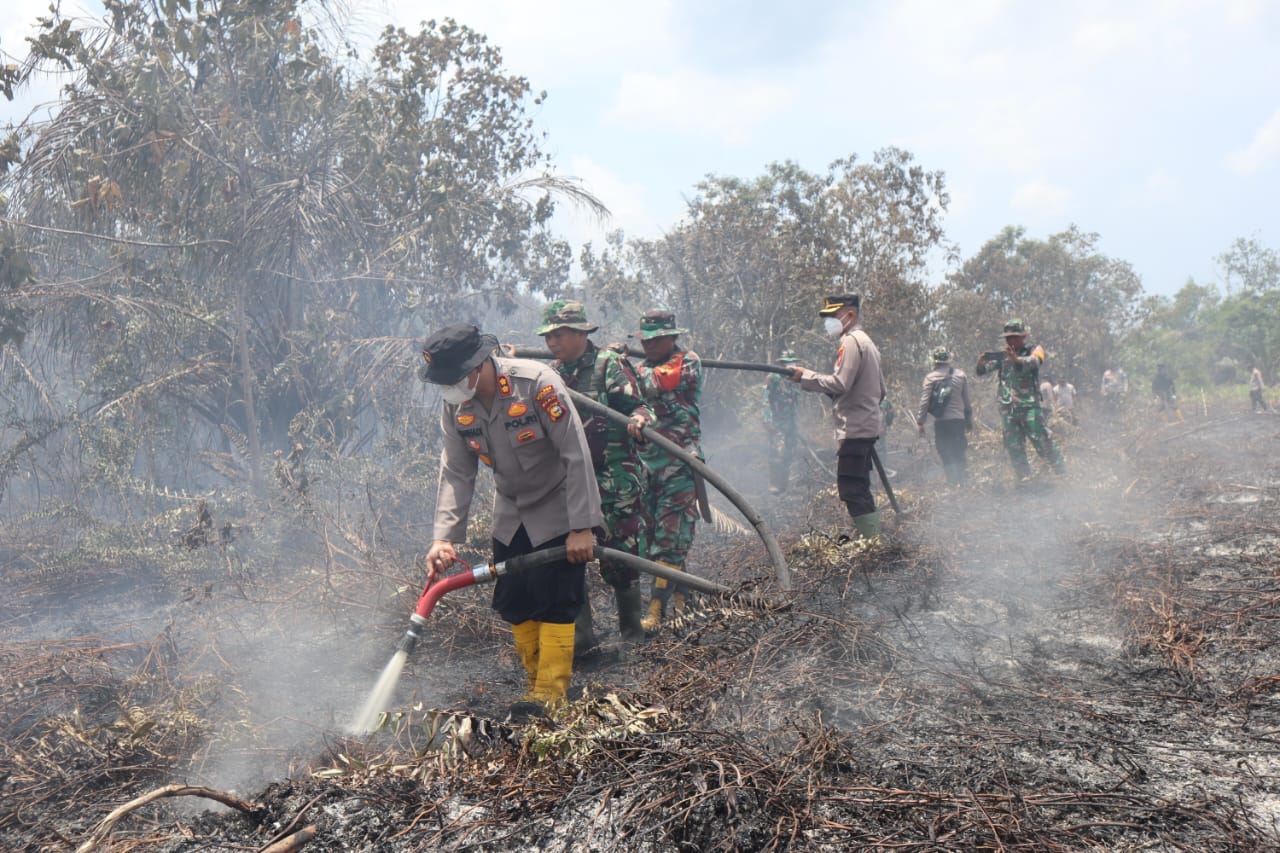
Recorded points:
(367,719)
(380,697)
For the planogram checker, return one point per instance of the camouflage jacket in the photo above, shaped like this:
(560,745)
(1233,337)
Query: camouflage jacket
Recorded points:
(1019,378)
(609,378)
(781,397)
(672,389)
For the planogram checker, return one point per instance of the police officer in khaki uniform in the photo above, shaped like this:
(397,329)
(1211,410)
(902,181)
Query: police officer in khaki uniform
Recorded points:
(515,416)
(856,388)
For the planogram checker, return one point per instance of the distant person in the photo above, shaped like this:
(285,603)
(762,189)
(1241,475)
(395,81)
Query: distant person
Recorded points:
(1122,379)
(1017,368)
(607,377)
(856,388)
(671,379)
(514,417)
(945,395)
(1110,390)
(1064,396)
(1256,387)
(1166,396)
(781,399)
(1047,401)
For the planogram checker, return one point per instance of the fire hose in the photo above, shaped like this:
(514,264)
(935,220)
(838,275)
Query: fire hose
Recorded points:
(488,573)
(373,708)
(533,352)
(770,543)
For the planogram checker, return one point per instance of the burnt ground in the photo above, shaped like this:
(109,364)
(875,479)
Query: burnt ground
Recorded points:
(1091,663)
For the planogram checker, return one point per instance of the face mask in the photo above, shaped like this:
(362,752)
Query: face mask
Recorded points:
(833,326)
(459,392)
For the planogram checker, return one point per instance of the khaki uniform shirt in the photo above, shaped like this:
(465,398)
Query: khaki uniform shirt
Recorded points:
(855,386)
(532,438)
(958,406)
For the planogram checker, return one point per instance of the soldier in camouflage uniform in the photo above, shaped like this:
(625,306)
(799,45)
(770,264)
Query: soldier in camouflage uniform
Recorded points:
(607,377)
(1018,393)
(781,398)
(671,379)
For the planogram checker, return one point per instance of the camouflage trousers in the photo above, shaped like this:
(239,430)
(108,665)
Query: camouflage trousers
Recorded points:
(626,519)
(673,506)
(1026,423)
(782,446)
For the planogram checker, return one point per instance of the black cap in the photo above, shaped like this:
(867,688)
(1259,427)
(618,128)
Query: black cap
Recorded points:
(453,352)
(838,301)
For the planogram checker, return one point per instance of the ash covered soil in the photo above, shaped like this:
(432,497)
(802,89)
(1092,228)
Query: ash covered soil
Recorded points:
(1091,663)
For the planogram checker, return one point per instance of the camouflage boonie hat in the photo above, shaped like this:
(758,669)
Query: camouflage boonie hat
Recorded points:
(564,314)
(657,324)
(941,355)
(1015,327)
(788,356)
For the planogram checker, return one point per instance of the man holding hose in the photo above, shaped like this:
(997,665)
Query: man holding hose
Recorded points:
(515,416)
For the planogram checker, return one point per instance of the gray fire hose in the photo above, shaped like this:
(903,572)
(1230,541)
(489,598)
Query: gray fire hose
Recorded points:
(534,352)
(770,543)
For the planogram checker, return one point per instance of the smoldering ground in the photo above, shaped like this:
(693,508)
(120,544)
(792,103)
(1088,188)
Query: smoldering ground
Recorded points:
(1088,665)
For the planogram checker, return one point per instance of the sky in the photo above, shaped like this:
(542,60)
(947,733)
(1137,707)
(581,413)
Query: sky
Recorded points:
(1154,124)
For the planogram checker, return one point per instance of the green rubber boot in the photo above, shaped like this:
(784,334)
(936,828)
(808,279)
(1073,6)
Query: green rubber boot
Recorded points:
(629,605)
(868,526)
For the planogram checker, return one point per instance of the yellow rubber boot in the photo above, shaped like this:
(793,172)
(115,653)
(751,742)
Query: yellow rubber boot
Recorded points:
(653,620)
(527,635)
(555,662)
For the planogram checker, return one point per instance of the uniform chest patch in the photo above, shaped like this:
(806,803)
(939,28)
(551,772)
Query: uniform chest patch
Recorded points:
(466,420)
(525,435)
(515,410)
(504,386)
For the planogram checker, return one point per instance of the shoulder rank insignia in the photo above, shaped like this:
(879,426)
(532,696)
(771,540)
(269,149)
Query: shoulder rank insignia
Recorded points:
(551,405)
(504,386)
(544,391)
(515,410)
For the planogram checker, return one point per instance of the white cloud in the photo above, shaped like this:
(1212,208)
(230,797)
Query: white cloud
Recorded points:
(1262,152)
(628,203)
(695,103)
(1160,188)
(1042,198)
(555,41)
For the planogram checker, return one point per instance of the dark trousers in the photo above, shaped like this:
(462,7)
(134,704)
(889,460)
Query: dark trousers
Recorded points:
(952,443)
(553,592)
(853,475)
(1255,400)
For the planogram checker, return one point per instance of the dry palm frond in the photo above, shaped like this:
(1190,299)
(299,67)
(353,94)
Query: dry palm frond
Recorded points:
(11,356)
(160,382)
(727,524)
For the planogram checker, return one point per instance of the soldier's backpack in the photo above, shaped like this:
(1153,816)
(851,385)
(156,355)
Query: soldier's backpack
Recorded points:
(940,394)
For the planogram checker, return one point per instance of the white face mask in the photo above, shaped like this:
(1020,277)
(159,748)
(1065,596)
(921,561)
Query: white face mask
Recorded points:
(459,392)
(833,325)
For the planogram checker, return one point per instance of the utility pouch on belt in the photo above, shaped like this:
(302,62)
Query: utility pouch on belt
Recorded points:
(597,430)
